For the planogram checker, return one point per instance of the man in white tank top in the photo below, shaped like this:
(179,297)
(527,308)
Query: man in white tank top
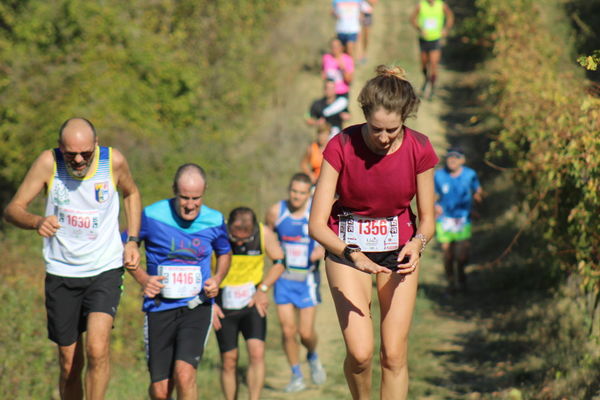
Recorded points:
(83,252)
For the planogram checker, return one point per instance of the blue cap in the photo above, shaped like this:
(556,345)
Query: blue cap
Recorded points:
(455,152)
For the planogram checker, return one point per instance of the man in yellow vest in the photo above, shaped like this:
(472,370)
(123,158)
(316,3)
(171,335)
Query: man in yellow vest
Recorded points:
(241,305)
(433,20)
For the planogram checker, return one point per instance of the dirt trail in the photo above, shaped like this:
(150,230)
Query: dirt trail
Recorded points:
(307,30)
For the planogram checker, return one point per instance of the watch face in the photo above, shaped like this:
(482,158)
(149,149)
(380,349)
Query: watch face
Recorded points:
(351,248)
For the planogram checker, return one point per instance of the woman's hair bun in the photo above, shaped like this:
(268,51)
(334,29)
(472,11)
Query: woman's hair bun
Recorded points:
(384,70)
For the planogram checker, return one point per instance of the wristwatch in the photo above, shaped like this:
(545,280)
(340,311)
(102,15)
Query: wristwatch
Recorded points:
(135,239)
(263,288)
(349,249)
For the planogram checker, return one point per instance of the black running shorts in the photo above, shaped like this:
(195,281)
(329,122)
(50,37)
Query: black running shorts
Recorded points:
(247,320)
(70,300)
(177,334)
(429,45)
(388,259)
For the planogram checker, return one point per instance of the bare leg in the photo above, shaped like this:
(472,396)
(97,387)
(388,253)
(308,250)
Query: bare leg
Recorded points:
(434,60)
(308,335)
(229,361)
(364,38)
(97,374)
(462,259)
(397,301)
(185,381)
(424,69)
(70,359)
(350,48)
(287,319)
(256,367)
(351,292)
(448,249)
(161,390)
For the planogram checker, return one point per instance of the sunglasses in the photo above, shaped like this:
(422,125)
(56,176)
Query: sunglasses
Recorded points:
(86,155)
(243,240)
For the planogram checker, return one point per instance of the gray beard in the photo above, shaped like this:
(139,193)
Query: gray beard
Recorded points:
(78,174)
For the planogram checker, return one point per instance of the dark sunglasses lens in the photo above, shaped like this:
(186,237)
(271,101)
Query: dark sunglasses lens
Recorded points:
(86,155)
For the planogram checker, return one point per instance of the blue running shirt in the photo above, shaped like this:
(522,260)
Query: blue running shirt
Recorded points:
(293,235)
(455,194)
(169,239)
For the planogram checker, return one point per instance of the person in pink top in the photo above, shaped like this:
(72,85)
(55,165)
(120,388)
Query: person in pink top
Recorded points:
(361,215)
(339,67)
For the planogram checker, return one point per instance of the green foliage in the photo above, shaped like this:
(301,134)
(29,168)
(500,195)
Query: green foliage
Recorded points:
(551,131)
(164,81)
(590,62)
(172,77)
(551,135)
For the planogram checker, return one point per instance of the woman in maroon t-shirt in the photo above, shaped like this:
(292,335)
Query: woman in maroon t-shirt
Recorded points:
(375,169)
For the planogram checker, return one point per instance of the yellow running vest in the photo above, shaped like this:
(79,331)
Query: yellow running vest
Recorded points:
(431,20)
(247,268)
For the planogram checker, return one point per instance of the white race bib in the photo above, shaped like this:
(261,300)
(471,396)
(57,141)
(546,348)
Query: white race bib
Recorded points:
(430,24)
(237,297)
(180,281)
(80,224)
(453,224)
(296,255)
(371,234)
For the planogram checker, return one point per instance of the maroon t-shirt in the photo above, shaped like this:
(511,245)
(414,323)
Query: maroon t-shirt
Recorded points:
(376,185)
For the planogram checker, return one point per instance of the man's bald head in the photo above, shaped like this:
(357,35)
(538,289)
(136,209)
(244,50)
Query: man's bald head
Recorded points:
(190,173)
(188,186)
(79,128)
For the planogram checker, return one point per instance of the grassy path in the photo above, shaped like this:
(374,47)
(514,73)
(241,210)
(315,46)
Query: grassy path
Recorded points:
(393,41)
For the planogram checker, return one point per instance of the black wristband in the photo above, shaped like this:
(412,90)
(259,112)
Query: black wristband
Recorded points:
(135,239)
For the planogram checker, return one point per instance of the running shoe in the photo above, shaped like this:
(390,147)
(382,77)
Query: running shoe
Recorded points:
(317,372)
(296,384)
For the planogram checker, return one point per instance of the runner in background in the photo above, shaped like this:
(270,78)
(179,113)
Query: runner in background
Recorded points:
(366,21)
(180,236)
(338,67)
(83,252)
(456,186)
(311,162)
(433,19)
(331,109)
(347,27)
(362,215)
(297,290)
(241,306)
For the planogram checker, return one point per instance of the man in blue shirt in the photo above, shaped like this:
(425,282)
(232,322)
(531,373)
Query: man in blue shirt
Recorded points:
(456,186)
(180,235)
(297,289)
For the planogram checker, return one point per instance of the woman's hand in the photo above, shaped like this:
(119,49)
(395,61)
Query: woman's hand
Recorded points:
(363,263)
(412,252)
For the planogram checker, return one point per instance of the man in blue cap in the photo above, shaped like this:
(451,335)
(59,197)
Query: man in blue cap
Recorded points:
(456,186)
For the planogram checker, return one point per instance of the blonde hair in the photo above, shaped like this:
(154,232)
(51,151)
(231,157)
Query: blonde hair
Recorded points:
(389,90)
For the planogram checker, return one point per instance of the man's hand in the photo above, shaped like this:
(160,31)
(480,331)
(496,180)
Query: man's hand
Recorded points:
(131,254)
(211,287)
(217,316)
(261,301)
(153,285)
(48,226)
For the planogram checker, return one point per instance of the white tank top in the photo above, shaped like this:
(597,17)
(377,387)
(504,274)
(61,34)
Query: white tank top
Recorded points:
(88,240)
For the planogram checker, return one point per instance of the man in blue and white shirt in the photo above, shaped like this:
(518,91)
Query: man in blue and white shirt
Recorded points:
(180,236)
